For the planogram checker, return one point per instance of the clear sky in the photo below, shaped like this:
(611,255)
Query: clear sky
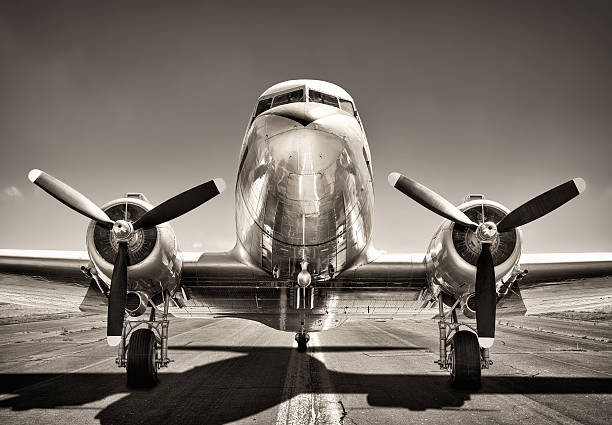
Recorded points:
(505,98)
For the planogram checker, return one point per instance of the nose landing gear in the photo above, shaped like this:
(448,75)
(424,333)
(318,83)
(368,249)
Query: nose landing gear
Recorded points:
(460,352)
(302,339)
(147,350)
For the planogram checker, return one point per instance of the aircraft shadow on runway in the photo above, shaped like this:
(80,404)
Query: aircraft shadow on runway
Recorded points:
(252,381)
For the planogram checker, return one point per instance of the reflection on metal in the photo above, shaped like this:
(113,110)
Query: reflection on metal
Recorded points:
(304,298)
(304,278)
(313,308)
(304,191)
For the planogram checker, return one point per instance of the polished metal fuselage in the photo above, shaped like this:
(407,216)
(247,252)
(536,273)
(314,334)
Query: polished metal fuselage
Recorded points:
(304,195)
(304,191)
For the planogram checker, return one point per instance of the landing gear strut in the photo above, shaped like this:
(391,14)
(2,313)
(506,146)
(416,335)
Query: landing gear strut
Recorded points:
(460,352)
(302,339)
(147,350)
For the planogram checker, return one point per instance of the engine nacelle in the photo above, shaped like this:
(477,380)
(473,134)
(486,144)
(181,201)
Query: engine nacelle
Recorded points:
(454,250)
(154,263)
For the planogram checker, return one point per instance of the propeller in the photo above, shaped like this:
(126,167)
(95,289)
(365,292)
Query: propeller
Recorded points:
(486,297)
(118,291)
(531,210)
(542,204)
(430,199)
(123,231)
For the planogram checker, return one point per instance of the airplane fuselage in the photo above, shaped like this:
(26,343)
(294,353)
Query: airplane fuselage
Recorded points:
(304,189)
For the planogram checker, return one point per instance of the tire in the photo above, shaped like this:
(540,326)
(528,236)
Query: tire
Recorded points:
(302,344)
(465,360)
(141,359)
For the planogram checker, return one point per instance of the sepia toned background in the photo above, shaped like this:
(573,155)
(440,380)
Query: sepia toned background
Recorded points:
(502,98)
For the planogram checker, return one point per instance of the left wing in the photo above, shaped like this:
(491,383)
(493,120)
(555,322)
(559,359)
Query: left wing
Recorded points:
(55,266)
(47,281)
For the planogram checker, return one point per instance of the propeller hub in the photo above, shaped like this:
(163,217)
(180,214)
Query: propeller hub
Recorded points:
(486,232)
(123,230)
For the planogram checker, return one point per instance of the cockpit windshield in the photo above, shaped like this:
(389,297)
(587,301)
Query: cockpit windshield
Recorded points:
(299,95)
(326,99)
(291,97)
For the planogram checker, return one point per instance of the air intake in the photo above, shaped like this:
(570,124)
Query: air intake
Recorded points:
(467,243)
(140,245)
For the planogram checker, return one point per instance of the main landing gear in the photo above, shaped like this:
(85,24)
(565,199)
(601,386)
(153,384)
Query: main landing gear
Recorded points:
(147,350)
(302,339)
(460,352)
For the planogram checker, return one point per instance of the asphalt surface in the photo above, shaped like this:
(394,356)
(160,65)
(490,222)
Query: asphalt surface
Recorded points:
(61,371)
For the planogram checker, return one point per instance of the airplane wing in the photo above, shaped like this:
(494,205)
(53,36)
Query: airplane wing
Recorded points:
(222,284)
(54,266)
(43,282)
(559,268)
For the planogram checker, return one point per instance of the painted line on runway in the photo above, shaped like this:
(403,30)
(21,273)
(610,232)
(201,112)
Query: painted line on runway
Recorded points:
(400,339)
(552,331)
(559,361)
(530,408)
(301,403)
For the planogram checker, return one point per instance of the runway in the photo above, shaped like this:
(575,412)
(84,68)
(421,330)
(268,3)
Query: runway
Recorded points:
(235,371)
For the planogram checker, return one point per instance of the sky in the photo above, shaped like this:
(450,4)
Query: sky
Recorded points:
(503,98)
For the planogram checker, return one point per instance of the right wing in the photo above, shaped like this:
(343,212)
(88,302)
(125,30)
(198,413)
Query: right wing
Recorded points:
(558,268)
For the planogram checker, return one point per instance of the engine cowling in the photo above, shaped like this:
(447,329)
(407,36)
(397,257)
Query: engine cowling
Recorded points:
(154,263)
(454,250)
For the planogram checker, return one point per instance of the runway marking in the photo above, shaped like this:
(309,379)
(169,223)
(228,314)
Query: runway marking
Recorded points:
(302,403)
(531,408)
(400,339)
(559,361)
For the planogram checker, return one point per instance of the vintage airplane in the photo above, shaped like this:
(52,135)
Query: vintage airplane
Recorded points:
(303,259)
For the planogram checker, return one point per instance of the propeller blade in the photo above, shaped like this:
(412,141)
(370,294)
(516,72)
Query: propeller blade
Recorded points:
(68,196)
(542,204)
(180,204)
(486,297)
(430,199)
(118,294)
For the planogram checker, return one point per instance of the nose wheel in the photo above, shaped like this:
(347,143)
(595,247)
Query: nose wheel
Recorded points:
(147,349)
(302,339)
(460,352)
(464,360)
(142,359)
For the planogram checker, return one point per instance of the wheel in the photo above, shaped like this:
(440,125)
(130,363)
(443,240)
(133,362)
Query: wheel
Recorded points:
(302,340)
(465,360)
(141,359)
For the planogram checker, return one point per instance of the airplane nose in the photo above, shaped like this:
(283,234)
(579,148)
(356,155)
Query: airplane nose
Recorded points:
(304,151)
(301,178)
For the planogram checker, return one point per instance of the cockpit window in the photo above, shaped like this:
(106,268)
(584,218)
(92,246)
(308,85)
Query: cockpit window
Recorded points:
(263,106)
(298,95)
(326,99)
(347,106)
(291,97)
